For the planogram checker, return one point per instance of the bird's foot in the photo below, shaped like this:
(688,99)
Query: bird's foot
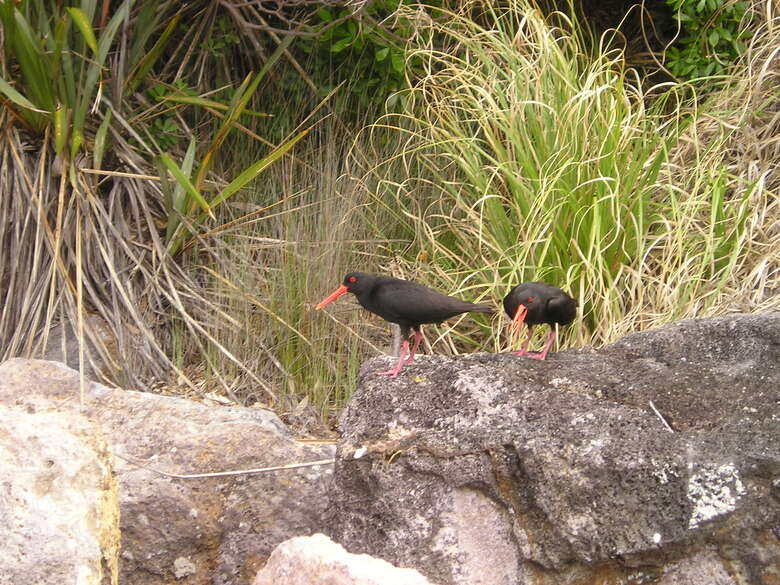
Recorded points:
(392,373)
(409,360)
(537,356)
(520,352)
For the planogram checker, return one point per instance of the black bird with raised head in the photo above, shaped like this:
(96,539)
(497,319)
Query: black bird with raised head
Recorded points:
(407,303)
(534,303)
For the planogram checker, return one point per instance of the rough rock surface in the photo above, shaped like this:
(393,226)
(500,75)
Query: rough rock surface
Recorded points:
(214,531)
(59,514)
(317,560)
(498,469)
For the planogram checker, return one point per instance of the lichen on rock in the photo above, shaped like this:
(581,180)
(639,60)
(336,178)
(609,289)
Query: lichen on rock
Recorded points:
(651,458)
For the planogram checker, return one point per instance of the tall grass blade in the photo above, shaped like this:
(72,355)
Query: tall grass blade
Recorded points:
(140,70)
(186,184)
(18,98)
(236,109)
(83,23)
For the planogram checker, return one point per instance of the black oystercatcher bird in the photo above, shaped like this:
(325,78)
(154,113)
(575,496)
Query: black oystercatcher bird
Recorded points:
(535,303)
(407,303)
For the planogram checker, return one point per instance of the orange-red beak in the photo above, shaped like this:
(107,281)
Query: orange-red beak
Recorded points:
(522,311)
(332,297)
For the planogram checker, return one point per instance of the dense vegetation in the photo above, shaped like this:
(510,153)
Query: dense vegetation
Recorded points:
(200,176)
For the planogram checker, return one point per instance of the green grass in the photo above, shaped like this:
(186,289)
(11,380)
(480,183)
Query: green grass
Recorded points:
(288,243)
(522,152)
(546,161)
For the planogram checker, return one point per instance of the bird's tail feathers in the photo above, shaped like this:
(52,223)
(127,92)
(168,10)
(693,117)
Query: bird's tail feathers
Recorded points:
(482,309)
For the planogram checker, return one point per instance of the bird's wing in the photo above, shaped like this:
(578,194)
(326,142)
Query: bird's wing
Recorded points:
(413,303)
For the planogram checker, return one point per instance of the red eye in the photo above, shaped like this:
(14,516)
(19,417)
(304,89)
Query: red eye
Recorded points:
(352,279)
(529,300)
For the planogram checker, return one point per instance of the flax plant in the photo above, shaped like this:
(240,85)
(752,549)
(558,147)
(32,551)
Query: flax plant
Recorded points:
(543,159)
(95,246)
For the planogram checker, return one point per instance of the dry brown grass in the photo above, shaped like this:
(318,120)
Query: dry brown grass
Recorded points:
(236,307)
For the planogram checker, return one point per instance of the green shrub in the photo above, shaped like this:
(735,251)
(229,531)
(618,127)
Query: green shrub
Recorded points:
(713,36)
(527,156)
(365,48)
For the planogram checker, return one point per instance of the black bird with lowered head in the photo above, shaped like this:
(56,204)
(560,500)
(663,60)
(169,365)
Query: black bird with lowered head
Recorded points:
(534,303)
(407,303)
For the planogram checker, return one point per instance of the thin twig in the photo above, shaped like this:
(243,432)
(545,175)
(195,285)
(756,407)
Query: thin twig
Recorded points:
(119,174)
(226,473)
(658,414)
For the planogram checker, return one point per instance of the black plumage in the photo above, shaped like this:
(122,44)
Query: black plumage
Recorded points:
(537,303)
(407,303)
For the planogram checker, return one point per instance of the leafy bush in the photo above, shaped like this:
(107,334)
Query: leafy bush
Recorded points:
(713,36)
(366,48)
(528,157)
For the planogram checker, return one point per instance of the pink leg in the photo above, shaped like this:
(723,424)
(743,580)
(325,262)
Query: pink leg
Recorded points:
(417,339)
(543,354)
(400,364)
(524,349)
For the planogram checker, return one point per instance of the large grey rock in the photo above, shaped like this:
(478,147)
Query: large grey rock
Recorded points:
(498,469)
(214,531)
(317,560)
(59,513)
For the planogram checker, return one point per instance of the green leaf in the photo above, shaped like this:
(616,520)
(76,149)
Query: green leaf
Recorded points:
(237,107)
(189,157)
(398,62)
(76,140)
(339,46)
(193,101)
(83,24)
(145,23)
(713,38)
(239,182)
(382,54)
(180,203)
(205,103)
(101,137)
(60,128)
(185,183)
(89,7)
(139,71)
(258,167)
(325,15)
(62,61)
(18,98)
(28,52)
(87,94)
